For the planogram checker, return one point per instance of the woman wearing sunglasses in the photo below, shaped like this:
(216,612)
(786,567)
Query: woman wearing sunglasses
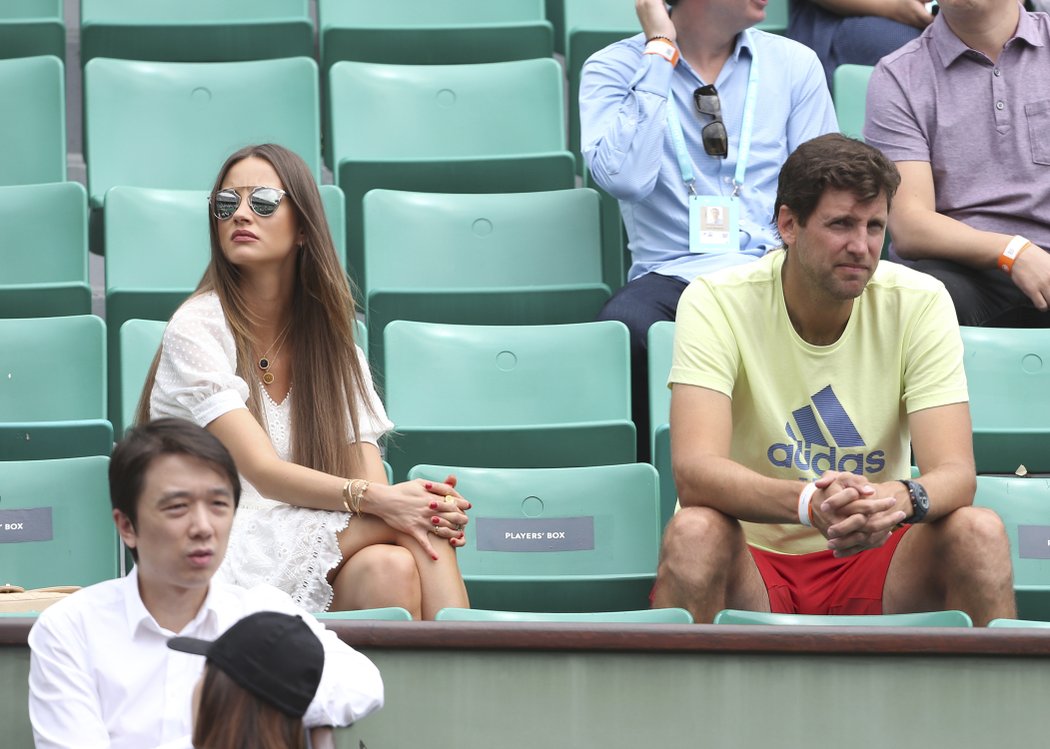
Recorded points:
(263,356)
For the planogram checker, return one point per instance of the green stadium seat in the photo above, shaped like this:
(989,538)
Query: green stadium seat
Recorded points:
(918,619)
(493,127)
(638,616)
(1008,370)
(43,250)
(195,30)
(33,133)
(661,349)
(387,613)
(1024,506)
(422,32)
(851,90)
(1018,624)
(149,280)
(53,388)
(776,21)
(495,259)
(171,125)
(557,539)
(32,27)
(517,396)
(139,342)
(63,506)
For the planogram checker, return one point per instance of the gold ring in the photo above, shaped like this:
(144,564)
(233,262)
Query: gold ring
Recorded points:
(450,499)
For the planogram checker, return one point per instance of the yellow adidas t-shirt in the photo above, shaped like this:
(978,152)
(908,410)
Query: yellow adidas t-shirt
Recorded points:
(800,409)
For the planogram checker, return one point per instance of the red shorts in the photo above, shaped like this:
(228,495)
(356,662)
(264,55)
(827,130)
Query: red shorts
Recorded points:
(818,583)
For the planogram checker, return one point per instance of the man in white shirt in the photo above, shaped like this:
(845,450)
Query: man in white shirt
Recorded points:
(100,673)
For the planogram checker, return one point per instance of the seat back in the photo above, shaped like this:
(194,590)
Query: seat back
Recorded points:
(171,125)
(32,27)
(387,613)
(422,32)
(639,616)
(43,250)
(1014,429)
(917,619)
(33,131)
(851,91)
(195,30)
(660,352)
(56,526)
(1024,506)
(53,368)
(139,342)
(499,375)
(558,539)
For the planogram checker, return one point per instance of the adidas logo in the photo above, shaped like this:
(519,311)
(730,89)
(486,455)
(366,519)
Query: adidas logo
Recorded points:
(822,437)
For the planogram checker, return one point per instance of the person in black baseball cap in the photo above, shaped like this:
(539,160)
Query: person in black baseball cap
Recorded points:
(261,675)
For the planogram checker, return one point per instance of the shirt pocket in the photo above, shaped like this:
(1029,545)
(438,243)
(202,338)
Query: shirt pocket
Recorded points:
(1038,115)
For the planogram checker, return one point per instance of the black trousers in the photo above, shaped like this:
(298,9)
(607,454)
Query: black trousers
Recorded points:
(984,297)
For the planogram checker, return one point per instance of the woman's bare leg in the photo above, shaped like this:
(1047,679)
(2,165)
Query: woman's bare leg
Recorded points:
(377,576)
(441,583)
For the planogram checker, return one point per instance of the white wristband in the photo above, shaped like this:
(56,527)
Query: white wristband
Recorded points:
(804,498)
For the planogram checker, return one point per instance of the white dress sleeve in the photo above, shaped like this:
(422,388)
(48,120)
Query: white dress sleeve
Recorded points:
(196,377)
(373,423)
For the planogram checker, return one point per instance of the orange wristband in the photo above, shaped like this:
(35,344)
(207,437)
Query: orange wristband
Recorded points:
(662,46)
(1013,251)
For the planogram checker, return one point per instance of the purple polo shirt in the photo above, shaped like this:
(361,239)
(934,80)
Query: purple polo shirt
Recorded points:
(983,126)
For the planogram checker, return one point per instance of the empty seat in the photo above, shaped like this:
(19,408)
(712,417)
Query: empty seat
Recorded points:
(851,90)
(139,342)
(53,388)
(32,27)
(661,350)
(558,539)
(1008,371)
(63,531)
(493,127)
(1019,624)
(43,250)
(508,396)
(505,258)
(33,132)
(918,619)
(150,279)
(422,32)
(1024,506)
(639,616)
(195,30)
(171,125)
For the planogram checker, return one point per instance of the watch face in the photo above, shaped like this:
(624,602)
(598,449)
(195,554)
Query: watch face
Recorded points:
(920,501)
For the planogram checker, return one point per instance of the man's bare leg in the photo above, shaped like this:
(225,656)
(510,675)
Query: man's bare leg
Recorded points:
(705,566)
(961,561)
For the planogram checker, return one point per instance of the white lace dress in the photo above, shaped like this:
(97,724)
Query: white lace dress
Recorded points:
(291,548)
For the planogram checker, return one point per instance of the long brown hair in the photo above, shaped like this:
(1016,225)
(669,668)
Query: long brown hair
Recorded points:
(326,374)
(230,717)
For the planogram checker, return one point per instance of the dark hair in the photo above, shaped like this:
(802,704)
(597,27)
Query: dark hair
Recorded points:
(835,161)
(143,444)
(229,717)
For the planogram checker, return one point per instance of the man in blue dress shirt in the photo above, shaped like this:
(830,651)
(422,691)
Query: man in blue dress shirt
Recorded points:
(694,113)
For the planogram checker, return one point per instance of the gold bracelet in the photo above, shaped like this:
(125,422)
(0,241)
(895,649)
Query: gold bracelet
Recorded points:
(356,489)
(346,495)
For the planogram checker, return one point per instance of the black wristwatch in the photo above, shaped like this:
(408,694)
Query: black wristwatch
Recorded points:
(920,501)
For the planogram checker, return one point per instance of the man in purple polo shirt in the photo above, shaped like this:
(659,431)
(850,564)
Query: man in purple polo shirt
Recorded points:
(964,111)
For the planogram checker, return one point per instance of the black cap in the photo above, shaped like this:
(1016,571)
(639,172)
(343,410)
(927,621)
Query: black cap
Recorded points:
(276,657)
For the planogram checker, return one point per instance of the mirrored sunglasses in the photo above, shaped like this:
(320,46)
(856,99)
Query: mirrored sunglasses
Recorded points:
(714,135)
(262,200)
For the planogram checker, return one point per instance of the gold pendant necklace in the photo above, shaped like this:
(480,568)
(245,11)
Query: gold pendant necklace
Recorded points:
(265,362)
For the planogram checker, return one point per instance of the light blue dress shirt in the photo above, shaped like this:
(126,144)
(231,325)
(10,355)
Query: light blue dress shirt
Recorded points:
(629,150)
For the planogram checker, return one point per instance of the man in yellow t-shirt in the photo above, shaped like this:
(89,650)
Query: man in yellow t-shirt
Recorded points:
(799,383)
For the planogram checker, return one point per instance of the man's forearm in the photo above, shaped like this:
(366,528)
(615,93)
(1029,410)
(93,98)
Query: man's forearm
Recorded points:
(726,486)
(920,233)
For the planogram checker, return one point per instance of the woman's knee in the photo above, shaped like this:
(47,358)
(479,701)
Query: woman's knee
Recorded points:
(387,564)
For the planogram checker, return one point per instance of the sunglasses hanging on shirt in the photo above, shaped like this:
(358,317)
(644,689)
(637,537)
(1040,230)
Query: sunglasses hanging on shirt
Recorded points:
(714,135)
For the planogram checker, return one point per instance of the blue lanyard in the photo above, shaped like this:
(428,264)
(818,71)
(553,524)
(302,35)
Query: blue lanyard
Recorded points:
(748,124)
